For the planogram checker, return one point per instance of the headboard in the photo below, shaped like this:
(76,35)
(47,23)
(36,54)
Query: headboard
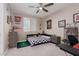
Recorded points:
(30,35)
(46,34)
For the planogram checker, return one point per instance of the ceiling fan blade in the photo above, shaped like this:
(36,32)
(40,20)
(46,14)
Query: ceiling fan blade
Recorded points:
(45,10)
(48,4)
(37,11)
(32,7)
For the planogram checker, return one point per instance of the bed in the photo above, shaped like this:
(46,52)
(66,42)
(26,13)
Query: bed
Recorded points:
(38,39)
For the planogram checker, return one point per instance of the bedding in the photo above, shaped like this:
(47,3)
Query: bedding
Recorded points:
(38,40)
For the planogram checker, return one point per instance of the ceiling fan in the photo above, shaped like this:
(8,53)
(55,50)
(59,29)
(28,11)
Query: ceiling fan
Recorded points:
(42,7)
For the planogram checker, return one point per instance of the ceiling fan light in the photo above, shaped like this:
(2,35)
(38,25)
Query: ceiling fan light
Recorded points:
(40,8)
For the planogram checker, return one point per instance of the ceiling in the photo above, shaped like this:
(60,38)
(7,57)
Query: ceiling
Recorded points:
(23,9)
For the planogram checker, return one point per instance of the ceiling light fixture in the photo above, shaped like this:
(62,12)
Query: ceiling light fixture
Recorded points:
(40,8)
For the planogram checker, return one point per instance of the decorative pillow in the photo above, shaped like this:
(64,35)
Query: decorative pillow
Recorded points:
(39,35)
(76,46)
(34,36)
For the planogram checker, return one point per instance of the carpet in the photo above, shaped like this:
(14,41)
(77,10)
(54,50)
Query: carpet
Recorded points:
(23,44)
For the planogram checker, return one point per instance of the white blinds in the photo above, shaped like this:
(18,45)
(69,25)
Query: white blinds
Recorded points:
(29,24)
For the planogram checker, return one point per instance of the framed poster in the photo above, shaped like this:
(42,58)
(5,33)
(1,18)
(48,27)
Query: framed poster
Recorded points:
(76,17)
(49,24)
(62,23)
(17,19)
(8,20)
(11,19)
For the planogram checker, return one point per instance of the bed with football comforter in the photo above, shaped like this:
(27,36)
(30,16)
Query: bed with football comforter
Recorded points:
(38,40)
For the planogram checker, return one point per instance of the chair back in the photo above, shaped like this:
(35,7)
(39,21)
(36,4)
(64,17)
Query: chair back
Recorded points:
(72,40)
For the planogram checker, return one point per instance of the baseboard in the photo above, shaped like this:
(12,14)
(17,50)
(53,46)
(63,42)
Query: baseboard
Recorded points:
(5,52)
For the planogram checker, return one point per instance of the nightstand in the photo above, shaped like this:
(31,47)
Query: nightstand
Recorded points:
(65,41)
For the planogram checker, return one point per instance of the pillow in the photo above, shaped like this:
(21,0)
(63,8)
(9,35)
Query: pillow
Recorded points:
(39,35)
(34,36)
(76,46)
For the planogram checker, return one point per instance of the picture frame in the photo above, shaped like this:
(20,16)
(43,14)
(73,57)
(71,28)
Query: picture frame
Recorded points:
(8,19)
(62,23)
(76,18)
(49,24)
(40,26)
(17,19)
(11,19)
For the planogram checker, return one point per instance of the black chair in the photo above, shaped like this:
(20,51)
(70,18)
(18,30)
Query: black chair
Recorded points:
(72,40)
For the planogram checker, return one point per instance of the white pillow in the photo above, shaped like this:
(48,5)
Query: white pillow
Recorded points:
(34,36)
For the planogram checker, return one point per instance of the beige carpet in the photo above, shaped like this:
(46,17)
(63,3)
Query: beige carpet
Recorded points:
(48,49)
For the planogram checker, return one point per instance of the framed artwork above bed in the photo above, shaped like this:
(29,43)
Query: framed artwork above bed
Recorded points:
(49,24)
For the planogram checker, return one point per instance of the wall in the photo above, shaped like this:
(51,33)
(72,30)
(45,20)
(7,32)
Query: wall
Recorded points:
(22,34)
(64,14)
(4,28)
(1,28)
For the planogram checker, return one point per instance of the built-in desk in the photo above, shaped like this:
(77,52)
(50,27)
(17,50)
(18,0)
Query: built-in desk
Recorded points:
(69,49)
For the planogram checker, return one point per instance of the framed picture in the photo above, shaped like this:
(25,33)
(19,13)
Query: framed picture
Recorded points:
(40,26)
(8,19)
(49,24)
(76,17)
(11,19)
(62,23)
(17,19)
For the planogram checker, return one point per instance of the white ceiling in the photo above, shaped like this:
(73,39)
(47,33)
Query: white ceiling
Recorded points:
(23,9)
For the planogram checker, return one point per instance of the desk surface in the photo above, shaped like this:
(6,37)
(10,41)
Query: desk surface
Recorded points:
(69,49)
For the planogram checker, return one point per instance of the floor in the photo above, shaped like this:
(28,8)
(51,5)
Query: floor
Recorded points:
(47,49)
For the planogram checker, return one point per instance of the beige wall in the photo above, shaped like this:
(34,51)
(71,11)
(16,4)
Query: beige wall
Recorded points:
(22,34)
(4,28)
(1,28)
(64,14)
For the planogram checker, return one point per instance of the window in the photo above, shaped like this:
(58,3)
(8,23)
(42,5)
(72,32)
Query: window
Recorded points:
(29,24)
(26,24)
